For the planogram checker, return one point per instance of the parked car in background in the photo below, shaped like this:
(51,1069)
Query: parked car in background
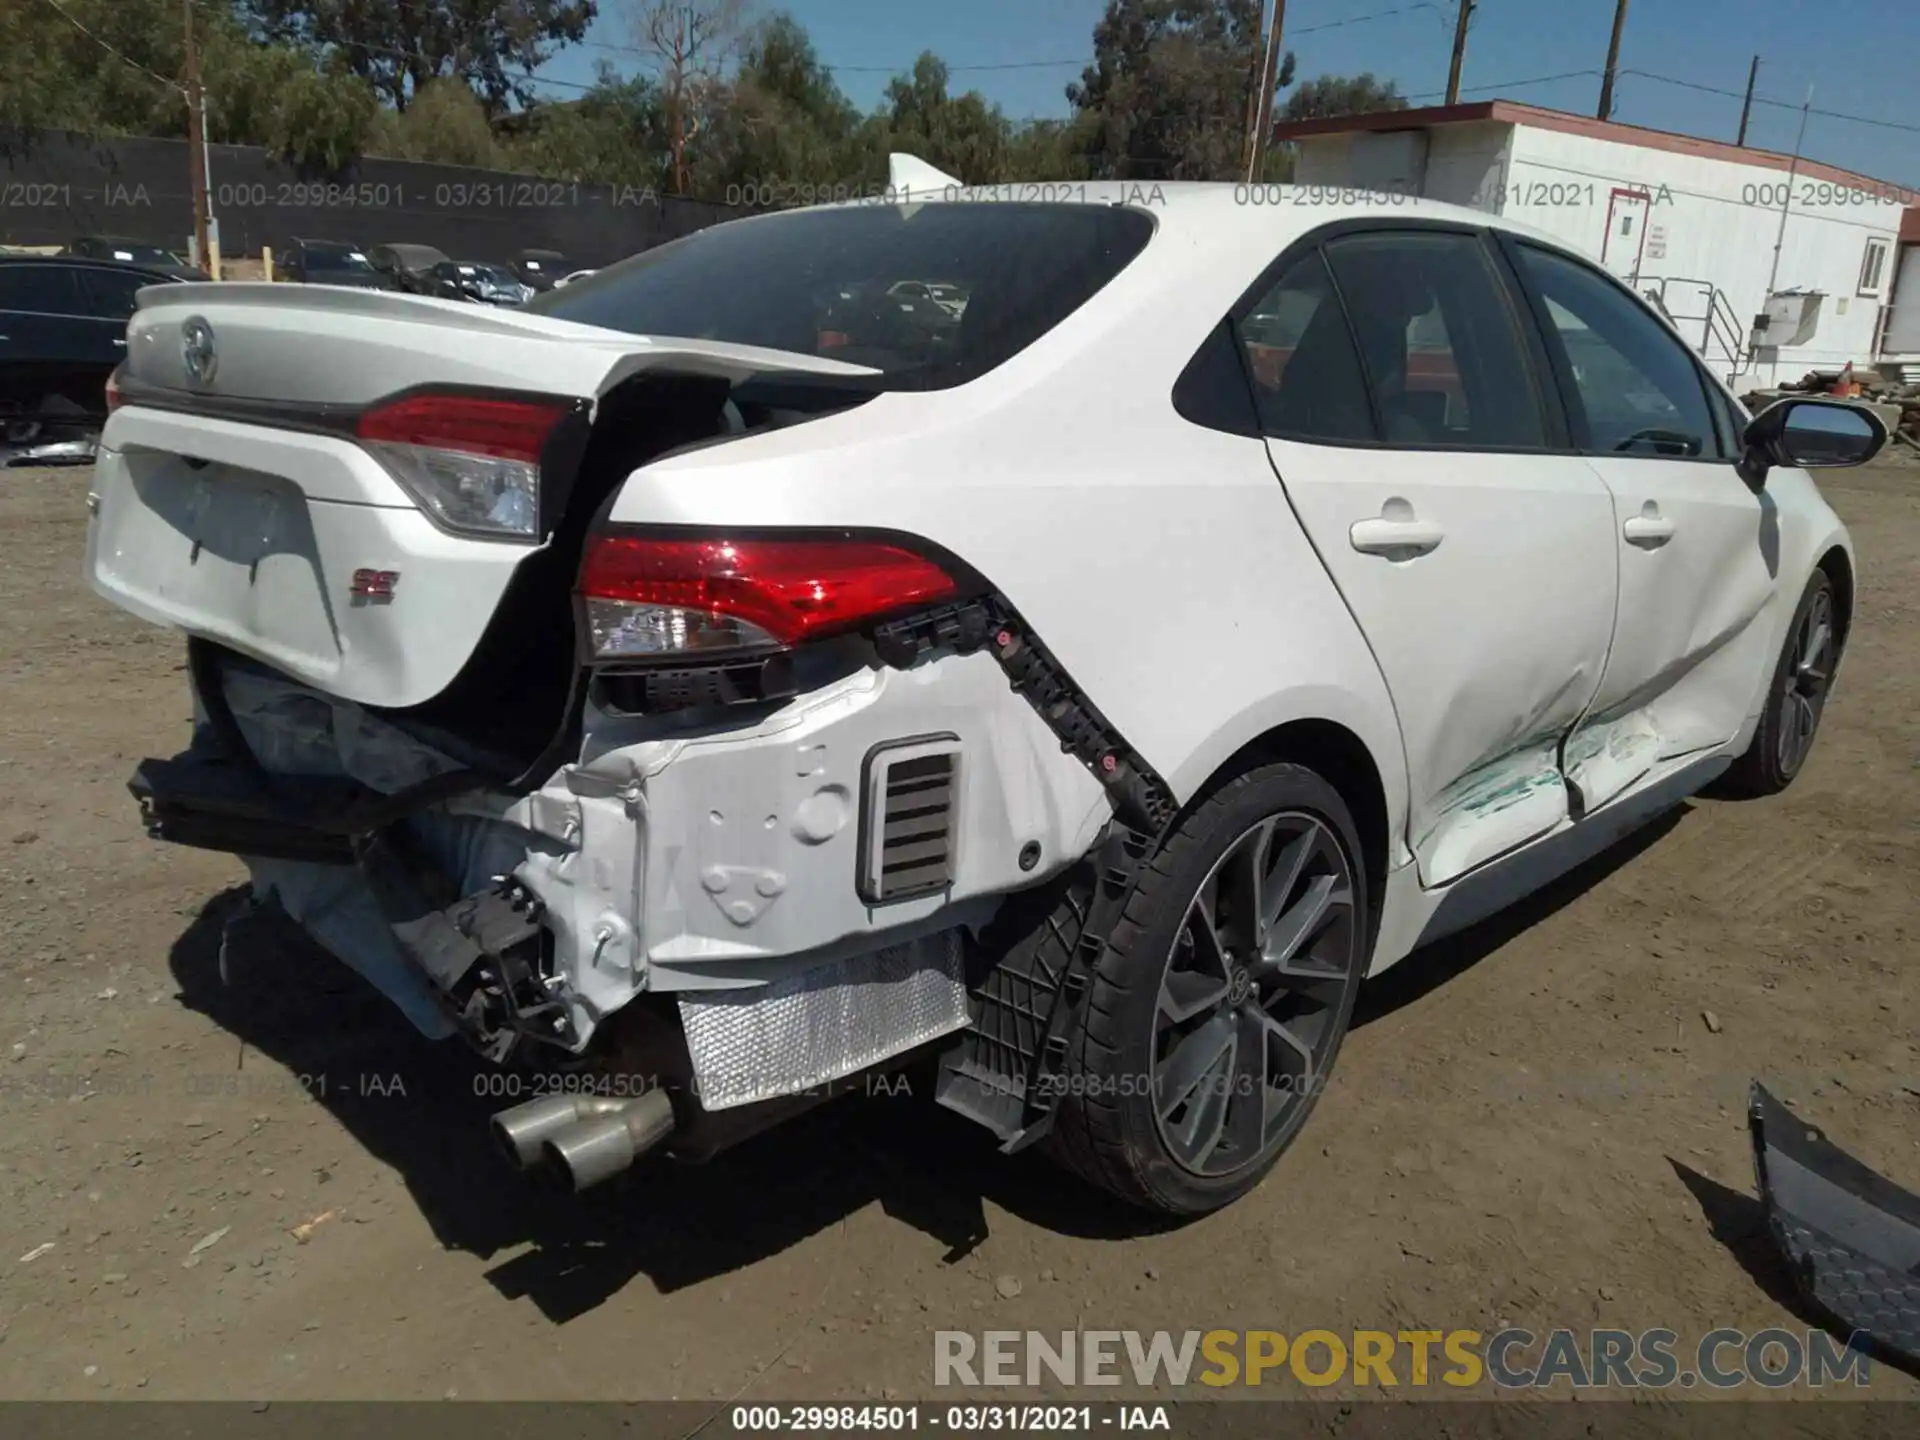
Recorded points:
(332,262)
(480,282)
(950,298)
(407,267)
(540,269)
(63,329)
(570,279)
(859,320)
(133,252)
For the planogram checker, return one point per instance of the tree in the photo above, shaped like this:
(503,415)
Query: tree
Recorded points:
(783,132)
(614,134)
(399,46)
(257,94)
(447,123)
(1170,90)
(963,135)
(1327,96)
(1044,150)
(690,44)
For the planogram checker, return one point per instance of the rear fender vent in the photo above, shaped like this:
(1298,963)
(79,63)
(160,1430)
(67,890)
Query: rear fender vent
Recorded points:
(907,821)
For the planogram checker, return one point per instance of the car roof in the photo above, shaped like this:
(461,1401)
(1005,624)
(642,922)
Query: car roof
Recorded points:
(1218,215)
(89,262)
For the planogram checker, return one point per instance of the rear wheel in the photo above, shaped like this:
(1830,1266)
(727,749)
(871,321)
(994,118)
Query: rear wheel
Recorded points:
(1797,698)
(1220,1004)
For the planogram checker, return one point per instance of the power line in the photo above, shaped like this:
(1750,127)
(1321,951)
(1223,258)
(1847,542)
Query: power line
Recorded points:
(127,60)
(1509,84)
(1777,104)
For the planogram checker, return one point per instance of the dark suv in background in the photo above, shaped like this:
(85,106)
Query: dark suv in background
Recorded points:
(63,330)
(332,262)
(133,252)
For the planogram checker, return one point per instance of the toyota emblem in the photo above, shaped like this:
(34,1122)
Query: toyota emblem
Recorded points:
(197,349)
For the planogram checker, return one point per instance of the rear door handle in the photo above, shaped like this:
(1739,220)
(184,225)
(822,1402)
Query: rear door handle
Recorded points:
(1403,538)
(1648,531)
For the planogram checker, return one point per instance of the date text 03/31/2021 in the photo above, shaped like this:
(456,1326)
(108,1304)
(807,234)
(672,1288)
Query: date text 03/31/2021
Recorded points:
(956,1419)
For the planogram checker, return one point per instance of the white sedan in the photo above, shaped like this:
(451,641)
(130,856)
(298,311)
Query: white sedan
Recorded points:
(720,675)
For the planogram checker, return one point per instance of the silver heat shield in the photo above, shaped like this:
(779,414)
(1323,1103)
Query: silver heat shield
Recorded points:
(823,1024)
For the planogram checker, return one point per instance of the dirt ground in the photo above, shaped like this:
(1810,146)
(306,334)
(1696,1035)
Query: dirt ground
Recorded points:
(271,1188)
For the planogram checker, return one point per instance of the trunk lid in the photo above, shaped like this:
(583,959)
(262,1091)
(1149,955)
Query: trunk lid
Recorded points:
(234,501)
(340,345)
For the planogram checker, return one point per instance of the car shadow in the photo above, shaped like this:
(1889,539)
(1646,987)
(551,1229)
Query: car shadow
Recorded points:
(1432,966)
(422,1108)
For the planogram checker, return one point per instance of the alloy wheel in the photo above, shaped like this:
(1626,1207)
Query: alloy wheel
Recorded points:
(1253,994)
(1808,674)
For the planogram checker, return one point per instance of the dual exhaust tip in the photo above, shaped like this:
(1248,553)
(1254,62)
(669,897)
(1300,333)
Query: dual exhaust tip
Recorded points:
(583,1140)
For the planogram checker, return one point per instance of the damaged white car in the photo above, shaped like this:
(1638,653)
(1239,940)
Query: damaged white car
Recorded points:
(722,681)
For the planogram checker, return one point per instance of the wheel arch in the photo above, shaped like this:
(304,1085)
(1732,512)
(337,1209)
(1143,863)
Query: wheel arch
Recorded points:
(1341,757)
(1838,565)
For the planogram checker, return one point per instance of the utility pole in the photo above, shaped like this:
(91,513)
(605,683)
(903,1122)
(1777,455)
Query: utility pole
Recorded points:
(196,143)
(1459,52)
(1746,109)
(1613,60)
(1263,100)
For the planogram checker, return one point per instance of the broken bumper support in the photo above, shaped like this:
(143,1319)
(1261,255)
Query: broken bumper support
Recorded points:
(1851,1237)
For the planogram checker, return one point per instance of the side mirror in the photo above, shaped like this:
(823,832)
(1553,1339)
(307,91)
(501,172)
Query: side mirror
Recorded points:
(1812,434)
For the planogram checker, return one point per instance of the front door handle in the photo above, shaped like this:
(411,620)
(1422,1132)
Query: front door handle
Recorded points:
(1402,539)
(1649,529)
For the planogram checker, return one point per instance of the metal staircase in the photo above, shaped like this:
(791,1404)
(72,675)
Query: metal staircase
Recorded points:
(1715,331)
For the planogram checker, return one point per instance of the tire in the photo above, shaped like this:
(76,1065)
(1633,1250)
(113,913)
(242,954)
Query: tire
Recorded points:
(1161,1001)
(1796,698)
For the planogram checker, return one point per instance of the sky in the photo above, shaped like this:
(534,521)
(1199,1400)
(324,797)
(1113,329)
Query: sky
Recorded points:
(1858,58)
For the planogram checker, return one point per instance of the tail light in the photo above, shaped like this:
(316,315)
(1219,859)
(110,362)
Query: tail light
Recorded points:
(473,462)
(648,596)
(113,392)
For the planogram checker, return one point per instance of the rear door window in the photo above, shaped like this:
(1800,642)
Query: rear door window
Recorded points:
(1439,341)
(108,294)
(39,289)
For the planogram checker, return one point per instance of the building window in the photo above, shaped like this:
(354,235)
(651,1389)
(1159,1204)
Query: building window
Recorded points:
(1873,266)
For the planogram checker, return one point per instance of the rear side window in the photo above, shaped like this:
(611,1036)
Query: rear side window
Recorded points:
(108,294)
(1639,391)
(855,283)
(1439,341)
(39,289)
(1307,383)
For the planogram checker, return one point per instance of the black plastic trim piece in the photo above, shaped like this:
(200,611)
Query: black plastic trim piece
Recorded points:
(866,882)
(1140,798)
(1214,391)
(1008,1071)
(1850,1237)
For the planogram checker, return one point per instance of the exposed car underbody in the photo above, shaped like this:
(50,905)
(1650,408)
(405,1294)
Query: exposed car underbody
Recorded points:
(567,926)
